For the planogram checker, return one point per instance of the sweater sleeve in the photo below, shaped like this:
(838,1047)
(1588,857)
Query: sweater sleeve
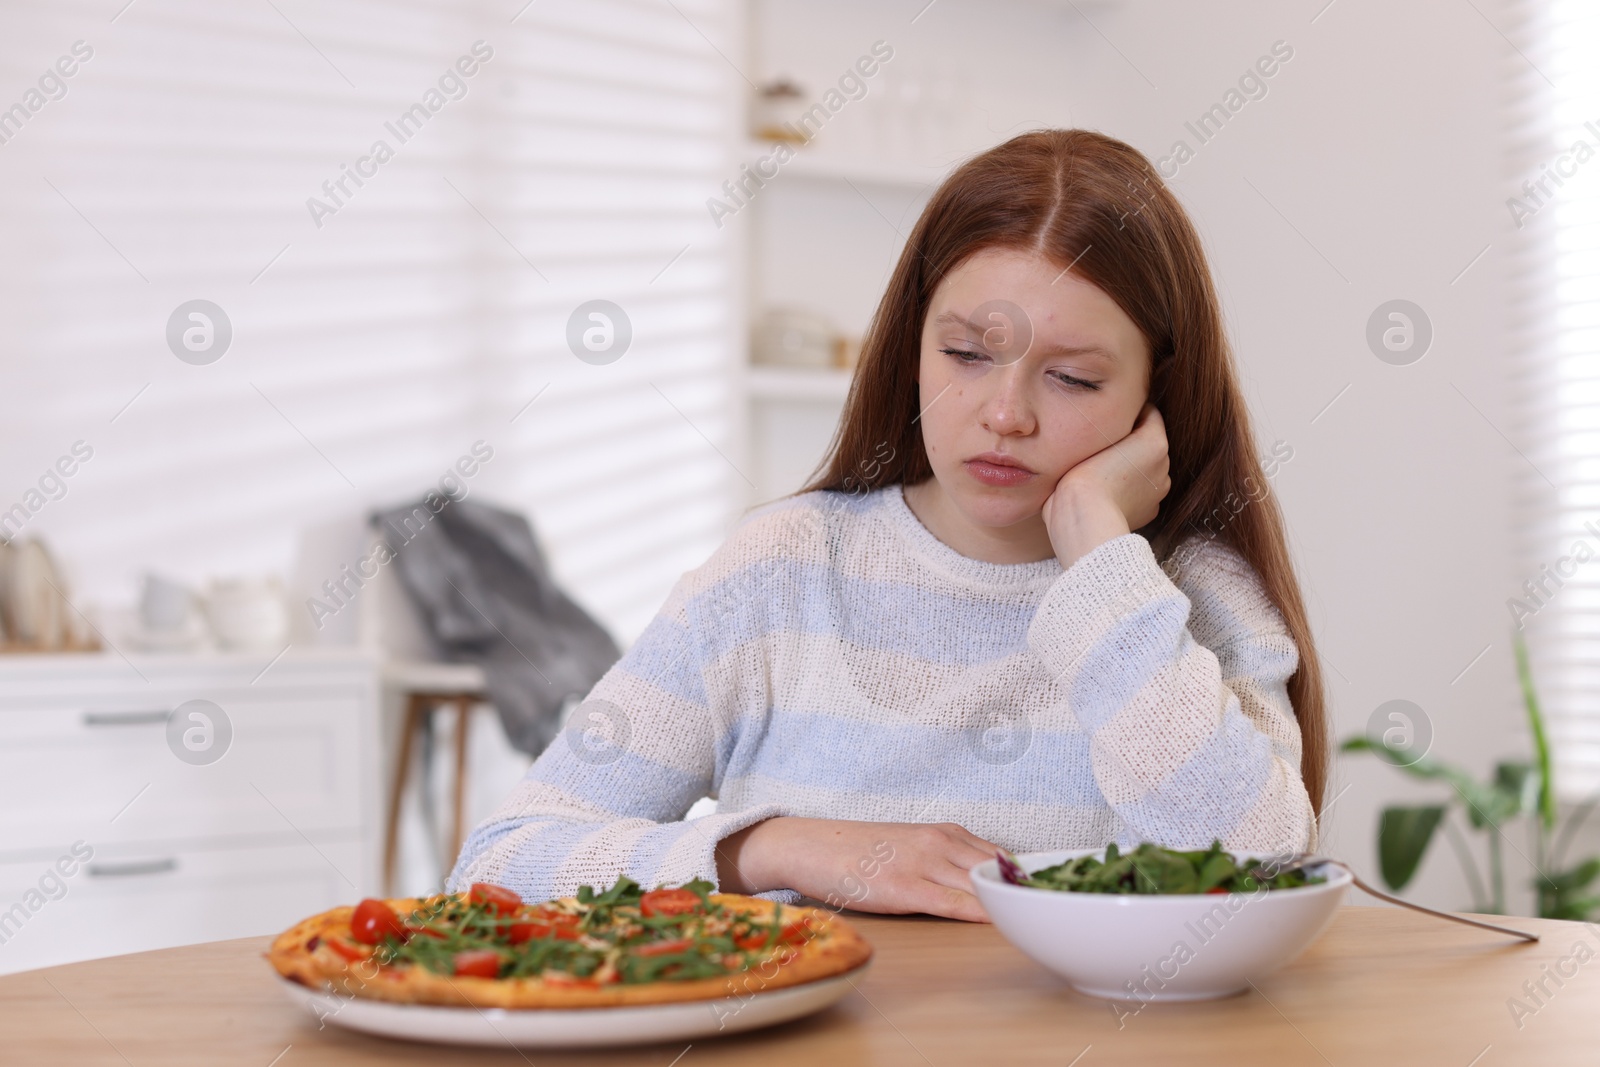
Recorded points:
(609,795)
(1183,691)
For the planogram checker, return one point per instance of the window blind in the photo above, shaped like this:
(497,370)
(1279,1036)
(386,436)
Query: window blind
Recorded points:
(388,308)
(1553,213)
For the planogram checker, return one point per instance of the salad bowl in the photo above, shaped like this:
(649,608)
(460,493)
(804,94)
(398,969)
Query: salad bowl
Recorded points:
(1158,947)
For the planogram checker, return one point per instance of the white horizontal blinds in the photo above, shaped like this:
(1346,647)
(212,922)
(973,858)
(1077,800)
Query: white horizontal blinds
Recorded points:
(620,127)
(1556,323)
(369,352)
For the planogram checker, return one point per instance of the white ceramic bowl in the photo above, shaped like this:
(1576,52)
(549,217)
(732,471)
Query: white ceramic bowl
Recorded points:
(1177,947)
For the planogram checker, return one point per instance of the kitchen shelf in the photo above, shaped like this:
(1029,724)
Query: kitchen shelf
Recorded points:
(797,383)
(833,166)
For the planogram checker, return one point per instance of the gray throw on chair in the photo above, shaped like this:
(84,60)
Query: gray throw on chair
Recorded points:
(480,581)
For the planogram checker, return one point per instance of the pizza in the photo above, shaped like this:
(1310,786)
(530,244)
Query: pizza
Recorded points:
(487,948)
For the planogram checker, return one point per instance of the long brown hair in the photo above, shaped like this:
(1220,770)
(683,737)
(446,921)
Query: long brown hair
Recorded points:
(1093,204)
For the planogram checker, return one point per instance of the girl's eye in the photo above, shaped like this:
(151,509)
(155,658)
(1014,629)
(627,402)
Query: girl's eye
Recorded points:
(963,356)
(1075,383)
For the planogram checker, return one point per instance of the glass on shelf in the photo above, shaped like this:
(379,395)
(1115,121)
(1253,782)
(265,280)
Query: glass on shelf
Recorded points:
(775,112)
(846,351)
(794,337)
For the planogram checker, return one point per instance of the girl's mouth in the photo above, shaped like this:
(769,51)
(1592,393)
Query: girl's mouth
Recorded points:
(997,469)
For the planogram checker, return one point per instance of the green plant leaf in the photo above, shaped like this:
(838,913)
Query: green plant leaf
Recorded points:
(1581,909)
(1560,906)
(1403,836)
(1486,804)
(1541,742)
(1521,780)
(1422,767)
(1574,878)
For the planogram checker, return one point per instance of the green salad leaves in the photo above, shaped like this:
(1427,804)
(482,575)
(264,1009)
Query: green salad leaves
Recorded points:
(1151,870)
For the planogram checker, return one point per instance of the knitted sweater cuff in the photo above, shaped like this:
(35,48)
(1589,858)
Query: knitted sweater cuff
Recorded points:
(716,827)
(1115,579)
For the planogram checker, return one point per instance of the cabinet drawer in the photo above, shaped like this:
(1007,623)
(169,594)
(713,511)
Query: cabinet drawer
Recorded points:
(133,901)
(103,771)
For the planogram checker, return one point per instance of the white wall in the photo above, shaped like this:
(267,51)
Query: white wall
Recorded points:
(1370,171)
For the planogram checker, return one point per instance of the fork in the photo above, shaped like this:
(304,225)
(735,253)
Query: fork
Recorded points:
(1304,859)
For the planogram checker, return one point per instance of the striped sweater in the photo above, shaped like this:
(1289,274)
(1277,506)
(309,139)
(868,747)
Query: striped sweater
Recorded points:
(834,659)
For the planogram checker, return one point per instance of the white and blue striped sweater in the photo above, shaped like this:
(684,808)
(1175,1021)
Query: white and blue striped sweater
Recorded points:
(834,659)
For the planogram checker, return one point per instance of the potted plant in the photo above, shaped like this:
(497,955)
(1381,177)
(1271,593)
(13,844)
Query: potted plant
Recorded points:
(1516,791)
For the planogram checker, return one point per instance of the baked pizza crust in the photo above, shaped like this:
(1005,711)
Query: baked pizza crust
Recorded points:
(835,949)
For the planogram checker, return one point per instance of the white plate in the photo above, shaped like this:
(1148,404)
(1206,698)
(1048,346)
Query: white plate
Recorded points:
(568,1028)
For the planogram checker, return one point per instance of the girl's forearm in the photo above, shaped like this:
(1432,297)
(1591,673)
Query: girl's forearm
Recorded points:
(756,859)
(892,868)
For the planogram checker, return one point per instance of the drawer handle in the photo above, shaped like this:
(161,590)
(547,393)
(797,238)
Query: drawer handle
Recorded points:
(137,867)
(125,718)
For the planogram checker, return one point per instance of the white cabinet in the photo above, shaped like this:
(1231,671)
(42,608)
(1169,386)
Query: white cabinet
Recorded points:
(158,896)
(283,823)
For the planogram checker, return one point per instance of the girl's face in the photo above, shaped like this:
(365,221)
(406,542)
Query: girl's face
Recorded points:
(1025,371)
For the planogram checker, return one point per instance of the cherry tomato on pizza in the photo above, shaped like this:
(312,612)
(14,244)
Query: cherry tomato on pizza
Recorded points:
(497,898)
(373,921)
(659,902)
(477,963)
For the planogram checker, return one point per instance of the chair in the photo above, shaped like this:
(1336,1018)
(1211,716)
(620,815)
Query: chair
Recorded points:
(425,692)
(416,684)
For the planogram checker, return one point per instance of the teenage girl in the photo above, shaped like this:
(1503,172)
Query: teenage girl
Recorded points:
(1038,596)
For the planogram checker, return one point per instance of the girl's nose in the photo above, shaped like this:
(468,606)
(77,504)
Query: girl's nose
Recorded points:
(1006,410)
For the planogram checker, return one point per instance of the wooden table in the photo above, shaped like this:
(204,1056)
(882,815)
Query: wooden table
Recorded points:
(1382,986)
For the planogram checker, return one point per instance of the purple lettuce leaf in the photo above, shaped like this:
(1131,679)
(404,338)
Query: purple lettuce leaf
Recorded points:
(1010,870)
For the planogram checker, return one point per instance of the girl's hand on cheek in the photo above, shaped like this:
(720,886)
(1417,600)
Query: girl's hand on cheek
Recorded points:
(889,868)
(1113,492)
